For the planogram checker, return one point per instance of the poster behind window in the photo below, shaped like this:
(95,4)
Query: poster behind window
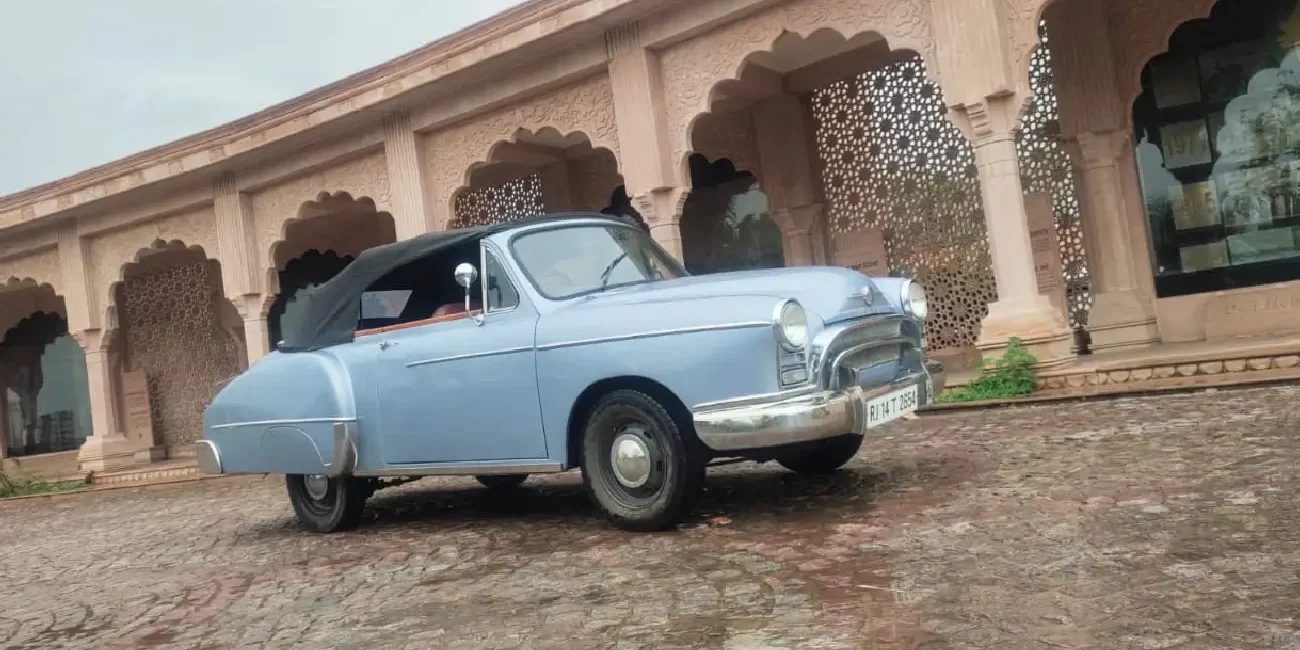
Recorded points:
(1186,144)
(1194,205)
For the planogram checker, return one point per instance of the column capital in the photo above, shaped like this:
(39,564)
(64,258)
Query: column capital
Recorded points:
(93,341)
(1101,149)
(662,206)
(252,306)
(799,220)
(988,122)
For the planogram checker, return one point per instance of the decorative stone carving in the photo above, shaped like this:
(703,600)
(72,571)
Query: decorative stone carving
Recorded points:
(362,179)
(454,152)
(36,268)
(693,68)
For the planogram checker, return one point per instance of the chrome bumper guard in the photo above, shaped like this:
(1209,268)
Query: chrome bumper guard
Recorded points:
(209,458)
(805,416)
(343,460)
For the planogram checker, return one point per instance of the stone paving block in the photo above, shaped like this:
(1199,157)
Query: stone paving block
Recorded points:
(1166,521)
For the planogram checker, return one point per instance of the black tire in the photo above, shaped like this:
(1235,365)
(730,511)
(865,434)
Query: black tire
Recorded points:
(676,464)
(501,481)
(824,458)
(338,509)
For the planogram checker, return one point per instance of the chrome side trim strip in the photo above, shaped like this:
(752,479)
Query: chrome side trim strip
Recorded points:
(464,470)
(655,334)
(274,423)
(475,355)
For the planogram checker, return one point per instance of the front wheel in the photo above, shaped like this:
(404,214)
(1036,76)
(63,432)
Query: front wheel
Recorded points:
(642,471)
(325,504)
(824,458)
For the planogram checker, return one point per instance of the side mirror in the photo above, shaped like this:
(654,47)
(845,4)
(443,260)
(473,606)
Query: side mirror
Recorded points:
(466,274)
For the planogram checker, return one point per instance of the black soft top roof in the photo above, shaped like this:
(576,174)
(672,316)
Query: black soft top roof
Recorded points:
(329,312)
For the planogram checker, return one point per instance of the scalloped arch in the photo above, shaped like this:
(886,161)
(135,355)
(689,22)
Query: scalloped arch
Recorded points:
(16,283)
(322,201)
(520,135)
(1149,26)
(693,69)
(155,247)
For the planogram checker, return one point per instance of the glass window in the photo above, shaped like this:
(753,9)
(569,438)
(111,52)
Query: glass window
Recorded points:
(1218,133)
(45,392)
(574,260)
(501,293)
(384,304)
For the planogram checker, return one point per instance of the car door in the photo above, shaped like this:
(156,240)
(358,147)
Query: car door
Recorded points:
(460,391)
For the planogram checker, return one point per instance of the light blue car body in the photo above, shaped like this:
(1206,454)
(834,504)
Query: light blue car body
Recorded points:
(504,396)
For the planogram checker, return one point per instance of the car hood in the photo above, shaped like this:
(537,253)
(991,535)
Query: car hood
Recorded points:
(830,293)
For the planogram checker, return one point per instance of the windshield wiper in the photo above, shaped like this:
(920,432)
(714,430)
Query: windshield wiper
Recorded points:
(604,275)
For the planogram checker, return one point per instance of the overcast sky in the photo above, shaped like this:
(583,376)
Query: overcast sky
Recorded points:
(83,82)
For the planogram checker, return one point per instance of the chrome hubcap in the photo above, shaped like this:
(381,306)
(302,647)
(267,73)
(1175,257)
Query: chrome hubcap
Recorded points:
(317,486)
(630,459)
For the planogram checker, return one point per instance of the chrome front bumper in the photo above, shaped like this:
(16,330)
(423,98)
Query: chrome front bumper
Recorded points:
(792,417)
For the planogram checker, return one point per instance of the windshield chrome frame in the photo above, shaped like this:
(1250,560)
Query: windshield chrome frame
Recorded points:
(665,256)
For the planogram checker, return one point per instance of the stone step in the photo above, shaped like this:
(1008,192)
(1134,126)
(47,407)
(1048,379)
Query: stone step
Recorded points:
(146,474)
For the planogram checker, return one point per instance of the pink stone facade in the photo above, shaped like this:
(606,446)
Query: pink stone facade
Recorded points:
(950,129)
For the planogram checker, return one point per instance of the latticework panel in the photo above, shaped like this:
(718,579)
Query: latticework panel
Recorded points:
(514,199)
(173,332)
(894,162)
(1046,167)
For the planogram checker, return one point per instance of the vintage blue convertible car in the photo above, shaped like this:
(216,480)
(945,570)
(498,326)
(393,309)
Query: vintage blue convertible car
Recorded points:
(566,341)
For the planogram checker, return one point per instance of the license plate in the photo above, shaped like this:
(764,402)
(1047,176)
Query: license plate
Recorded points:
(891,406)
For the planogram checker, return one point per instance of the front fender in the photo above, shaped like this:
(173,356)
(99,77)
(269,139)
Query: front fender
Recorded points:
(700,350)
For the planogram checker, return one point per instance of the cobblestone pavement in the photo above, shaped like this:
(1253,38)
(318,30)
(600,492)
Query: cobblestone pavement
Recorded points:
(1162,522)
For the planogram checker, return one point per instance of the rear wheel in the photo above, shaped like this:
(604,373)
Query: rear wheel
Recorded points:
(825,457)
(640,468)
(325,504)
(501,481)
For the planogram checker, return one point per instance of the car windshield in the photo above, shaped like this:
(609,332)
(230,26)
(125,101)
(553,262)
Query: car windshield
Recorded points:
(573,260)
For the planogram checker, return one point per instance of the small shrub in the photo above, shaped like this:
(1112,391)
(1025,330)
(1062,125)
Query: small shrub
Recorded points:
(1010,377)
(14,486)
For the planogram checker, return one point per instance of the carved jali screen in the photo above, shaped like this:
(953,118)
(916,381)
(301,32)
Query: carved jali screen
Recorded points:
(893,161)
(514,199)
(173,332)
(1045,167)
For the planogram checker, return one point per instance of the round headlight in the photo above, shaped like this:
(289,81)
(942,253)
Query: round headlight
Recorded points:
(792,326)
(914,301)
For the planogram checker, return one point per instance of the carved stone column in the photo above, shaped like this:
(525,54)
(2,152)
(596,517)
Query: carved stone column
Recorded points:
(799,228)
(253,309)
(1123,314)
(785,149)
(107,447)
(662,211)
(1095,127)
(657,188)
(1020,311)
(405,177)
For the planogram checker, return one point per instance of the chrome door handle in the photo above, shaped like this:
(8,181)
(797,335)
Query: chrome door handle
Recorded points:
(384,345)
